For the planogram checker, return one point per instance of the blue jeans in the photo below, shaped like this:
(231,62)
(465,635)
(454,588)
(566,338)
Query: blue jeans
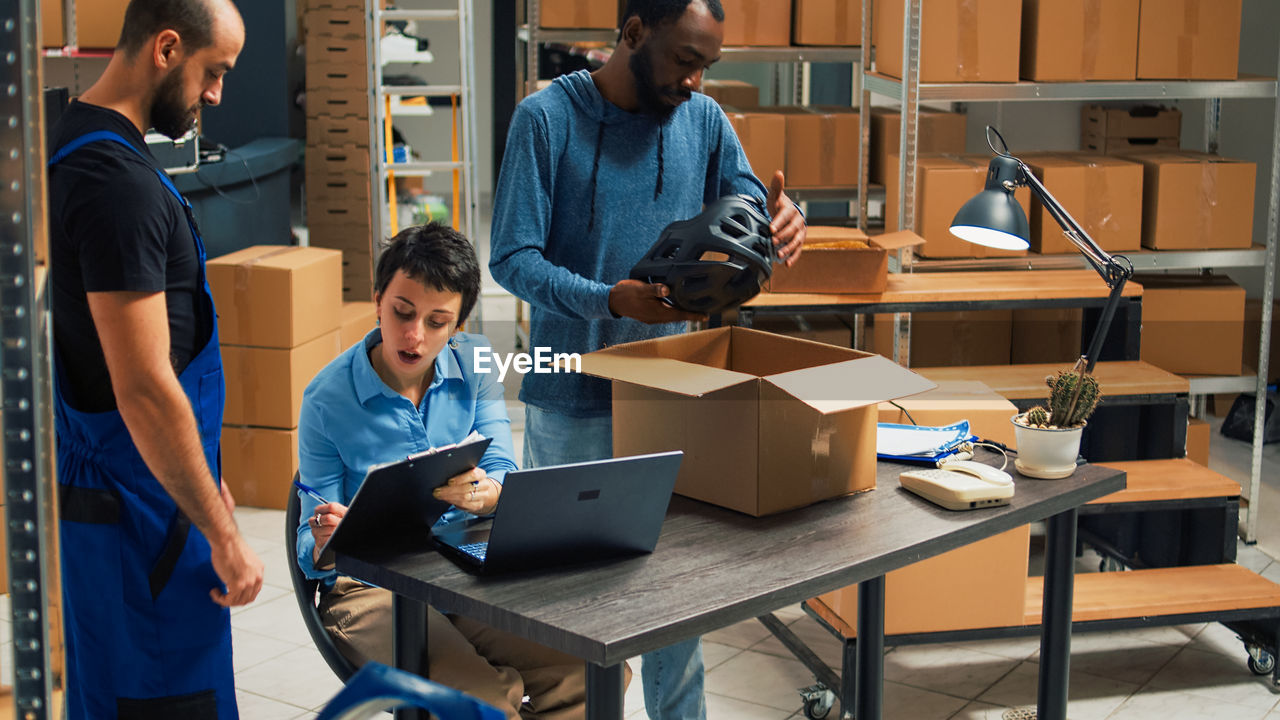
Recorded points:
(672,676)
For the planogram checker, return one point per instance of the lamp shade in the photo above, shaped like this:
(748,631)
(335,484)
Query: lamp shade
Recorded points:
(993,217)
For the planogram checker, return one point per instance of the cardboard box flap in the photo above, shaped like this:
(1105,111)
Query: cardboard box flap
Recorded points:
(851,384)
(897,240)
(674,376)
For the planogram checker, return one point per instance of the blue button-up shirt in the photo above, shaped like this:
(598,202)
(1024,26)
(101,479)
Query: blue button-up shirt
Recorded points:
(351,420)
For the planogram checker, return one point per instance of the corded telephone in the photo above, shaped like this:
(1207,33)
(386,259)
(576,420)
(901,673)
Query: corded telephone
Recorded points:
(960,484)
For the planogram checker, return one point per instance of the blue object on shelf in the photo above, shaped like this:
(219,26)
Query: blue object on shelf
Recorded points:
(378,688)
(243,200)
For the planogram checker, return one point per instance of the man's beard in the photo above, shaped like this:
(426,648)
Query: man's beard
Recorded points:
(169,116)
(653,99)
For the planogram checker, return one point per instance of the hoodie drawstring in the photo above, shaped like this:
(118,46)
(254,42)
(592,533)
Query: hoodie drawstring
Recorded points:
(595,169)
(657,188)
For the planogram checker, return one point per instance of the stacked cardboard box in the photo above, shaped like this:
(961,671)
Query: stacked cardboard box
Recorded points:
(944,183)
(735,93)
(1194,200)
(960,41)
(1103,194)
(1119,130)
(580,14)
(1071,40)
(757,23)
(950,339)
(763,137)
(338,185)
(821,146)
(279,322)
(1192,324)
(1189,39)
(827,22)
(937,132)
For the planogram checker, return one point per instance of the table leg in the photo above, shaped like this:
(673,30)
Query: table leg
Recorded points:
(869,683)
(409,644)
(605,689)
(1055,630)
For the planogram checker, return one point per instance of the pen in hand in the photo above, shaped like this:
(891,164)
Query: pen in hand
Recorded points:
(314,495)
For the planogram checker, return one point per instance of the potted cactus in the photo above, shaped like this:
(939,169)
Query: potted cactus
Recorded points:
(1049,439)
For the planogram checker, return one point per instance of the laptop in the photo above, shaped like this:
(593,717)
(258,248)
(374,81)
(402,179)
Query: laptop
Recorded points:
(567,514)
(394,503)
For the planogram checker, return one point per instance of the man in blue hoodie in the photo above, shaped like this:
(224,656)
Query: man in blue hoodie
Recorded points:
(595,167)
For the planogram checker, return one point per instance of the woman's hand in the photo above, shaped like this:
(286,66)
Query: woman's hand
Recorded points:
(472,491)
(322,524)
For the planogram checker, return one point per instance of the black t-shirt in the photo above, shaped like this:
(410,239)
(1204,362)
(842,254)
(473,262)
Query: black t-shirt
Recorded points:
(114,227)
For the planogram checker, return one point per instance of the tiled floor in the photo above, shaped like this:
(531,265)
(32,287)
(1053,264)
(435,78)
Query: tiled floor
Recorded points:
(1189,671)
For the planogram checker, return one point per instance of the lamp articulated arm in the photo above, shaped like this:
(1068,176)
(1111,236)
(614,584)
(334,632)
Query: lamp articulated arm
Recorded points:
(1114,273)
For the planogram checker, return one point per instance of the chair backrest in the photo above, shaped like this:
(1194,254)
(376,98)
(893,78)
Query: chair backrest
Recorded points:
(304,589)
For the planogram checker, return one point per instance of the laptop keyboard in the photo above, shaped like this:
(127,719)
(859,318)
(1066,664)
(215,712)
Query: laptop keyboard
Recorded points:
(475,550)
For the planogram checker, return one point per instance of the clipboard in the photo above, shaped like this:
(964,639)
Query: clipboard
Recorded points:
(922,443)
(394,506)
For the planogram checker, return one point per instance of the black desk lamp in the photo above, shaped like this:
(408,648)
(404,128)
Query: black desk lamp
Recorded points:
(995,219)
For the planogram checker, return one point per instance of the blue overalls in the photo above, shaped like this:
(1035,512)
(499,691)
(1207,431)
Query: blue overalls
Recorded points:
(143,638)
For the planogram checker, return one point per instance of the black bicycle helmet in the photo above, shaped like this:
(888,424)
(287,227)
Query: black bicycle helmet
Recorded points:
(715,261)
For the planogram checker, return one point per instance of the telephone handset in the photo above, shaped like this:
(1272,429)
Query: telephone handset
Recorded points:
(960,484)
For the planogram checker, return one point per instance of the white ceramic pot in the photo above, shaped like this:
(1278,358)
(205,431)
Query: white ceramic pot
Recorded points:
(1046,453)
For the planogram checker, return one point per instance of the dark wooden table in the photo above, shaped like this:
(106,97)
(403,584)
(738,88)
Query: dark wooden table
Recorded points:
(715,567)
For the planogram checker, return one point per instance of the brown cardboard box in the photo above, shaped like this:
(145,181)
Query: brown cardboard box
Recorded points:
(342,22)
(944,183)
(335,76)
(822,146)
(987,411)
(937,132)
(1198,441)
(1065,40)
(763,136)
(720,394)
(258,465)
(1124,146)
(1194,200)
(960,40)
(734,93)
(347,237)
(276,296)
(1253,338)
(826,22)
(1189,39)
(981,585)
(757,22)
(1192,324)
(264,385)
(329,130)
(330,159)
(358,318)
(841,270)
(351,51)
(579,14)
(98,23)
(951,339)
(1146,121)
(1103,194)
(53,34)
(337,186)
(357,275)
(818,328)
(1052,335)
(338,101)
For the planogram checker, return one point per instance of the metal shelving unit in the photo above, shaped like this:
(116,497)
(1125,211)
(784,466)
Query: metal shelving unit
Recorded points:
(381,104)
(910,92)
(25,370)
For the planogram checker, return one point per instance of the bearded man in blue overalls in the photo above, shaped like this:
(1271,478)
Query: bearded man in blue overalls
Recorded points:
(151,556)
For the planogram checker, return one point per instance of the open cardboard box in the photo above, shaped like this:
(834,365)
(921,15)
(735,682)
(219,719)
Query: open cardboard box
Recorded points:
(841,270)
(767,423)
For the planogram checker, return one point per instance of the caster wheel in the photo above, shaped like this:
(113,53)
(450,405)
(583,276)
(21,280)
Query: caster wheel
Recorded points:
(1264,666)
(817,708)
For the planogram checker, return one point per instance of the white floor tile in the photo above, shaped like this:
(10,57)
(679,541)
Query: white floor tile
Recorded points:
(1017,648)
(249,648)
(1118,655)
(1253,558)
(828,647)
(713,654)
(947,669)
(905,701)
(257,707)
(299,677)
(278,618)
(1217,638)
(720,707)
(1089,697)
(1153,704)
(1217,677)
(761,679)
(741,635)
(261,523)
(980,711)
(275,560)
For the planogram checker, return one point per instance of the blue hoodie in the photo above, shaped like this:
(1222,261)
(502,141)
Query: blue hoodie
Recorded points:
(585,189)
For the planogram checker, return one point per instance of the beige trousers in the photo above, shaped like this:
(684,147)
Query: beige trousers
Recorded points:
(494,666)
